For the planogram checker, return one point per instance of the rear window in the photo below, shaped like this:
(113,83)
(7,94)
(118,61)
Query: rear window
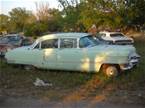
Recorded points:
(117,35)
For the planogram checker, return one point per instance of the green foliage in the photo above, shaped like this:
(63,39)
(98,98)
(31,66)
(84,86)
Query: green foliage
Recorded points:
(76,15)
(19,18)
(4,21)
(39,27)
(55,24)
(35,29)
(110,14)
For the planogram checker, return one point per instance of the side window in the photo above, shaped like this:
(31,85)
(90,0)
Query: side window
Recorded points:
(26,42)
(51,43)
(68,43)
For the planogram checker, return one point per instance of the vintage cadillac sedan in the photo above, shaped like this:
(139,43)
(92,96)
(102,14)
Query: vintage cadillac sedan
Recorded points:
(75,52)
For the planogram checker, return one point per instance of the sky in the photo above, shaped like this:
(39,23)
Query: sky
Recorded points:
(7,5)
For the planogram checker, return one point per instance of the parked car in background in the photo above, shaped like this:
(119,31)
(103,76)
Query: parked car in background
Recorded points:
(115,38)
(12,41)
(75,52)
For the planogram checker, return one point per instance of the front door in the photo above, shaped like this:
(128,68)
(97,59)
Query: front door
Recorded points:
(50,48)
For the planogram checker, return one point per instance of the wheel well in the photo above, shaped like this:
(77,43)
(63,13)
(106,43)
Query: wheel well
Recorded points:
(104,66)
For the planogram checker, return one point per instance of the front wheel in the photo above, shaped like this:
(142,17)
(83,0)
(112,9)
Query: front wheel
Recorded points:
(111,70)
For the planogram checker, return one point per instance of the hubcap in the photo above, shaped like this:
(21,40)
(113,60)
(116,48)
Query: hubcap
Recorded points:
(111,71)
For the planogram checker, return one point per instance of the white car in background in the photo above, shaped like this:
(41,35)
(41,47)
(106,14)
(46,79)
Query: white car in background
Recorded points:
(116,38)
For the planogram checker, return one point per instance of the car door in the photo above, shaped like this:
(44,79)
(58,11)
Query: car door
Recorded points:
(68,54)
(50,48)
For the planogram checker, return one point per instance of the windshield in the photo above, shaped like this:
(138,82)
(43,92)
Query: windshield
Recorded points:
(34,44)
(117,35)
(89,41)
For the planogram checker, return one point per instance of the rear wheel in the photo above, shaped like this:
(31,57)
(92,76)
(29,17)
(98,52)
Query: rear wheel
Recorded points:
(110,70)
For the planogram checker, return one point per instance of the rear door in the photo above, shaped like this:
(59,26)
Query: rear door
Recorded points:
(68,54)
(30,56)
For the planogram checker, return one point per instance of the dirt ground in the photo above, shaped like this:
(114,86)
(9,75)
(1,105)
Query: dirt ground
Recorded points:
(11,102)
(92,94)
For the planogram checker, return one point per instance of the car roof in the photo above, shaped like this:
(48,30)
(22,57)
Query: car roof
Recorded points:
(64,35)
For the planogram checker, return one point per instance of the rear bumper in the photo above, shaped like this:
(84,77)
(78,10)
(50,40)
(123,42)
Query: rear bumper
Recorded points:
(2,53)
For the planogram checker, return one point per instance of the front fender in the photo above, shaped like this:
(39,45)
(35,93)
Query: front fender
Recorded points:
(110,59)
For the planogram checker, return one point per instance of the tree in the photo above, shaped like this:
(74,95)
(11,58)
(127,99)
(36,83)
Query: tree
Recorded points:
(4,19)
(50,17)
(43,11)
(71,15)
(110,14)
(96,12)
(136,9)
(19,18)
(55,24)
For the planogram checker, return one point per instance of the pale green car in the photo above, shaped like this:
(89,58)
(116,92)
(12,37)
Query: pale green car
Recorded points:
(75,52)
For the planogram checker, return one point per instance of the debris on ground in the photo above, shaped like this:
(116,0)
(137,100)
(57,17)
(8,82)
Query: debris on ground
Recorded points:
(39,82)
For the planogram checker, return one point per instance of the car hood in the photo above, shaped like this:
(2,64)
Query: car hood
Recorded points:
(115,49)
(120,47)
